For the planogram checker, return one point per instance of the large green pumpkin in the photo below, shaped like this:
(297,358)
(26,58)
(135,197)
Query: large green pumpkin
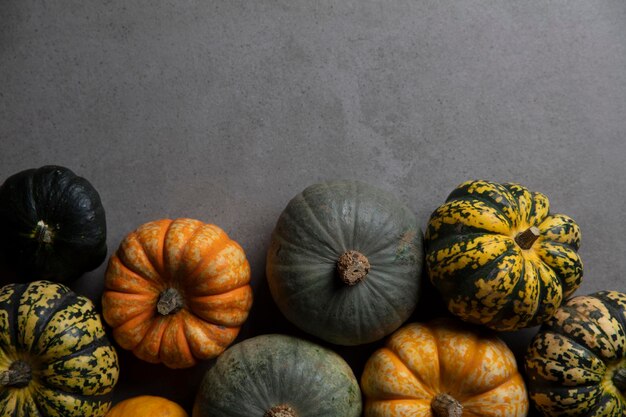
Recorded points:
(344,262)
(55,360)
(52,224)
(278,376)
(499,257)
(576,364)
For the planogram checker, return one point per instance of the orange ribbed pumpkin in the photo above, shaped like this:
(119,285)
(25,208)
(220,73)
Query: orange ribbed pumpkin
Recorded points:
(177,291)
(442,369)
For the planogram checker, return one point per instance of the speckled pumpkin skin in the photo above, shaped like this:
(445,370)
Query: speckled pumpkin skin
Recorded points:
(266,371)
(572,360)
(60,335)
(315,229)
(204,265)
(484,276)
(420,361)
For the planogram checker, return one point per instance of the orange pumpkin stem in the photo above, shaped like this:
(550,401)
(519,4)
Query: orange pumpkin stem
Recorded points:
(526,238)
(444,405)
(352,267)
(170,301)
(619,379)
(282,410)
(18,375)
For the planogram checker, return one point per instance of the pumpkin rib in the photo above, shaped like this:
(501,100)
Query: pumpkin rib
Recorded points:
(156,256)
(307,251)
(467,216)
(234,293)
(613,309)
(148,348)
(132,238)
(384,229)
(517,295)
(550,255)
(545,367)
(137,327)
(198,346)
(550,292)
(352,236)
(423,384)
(339,245)
(174,350)
(134,305)
(117,282)
(379,294)
(585,331)
(438,271)
(325,239)
(510,378)
(492,204)
(181,253)
(61,375)
(210,255)
(304,289)
(456,385)
(96,402)
(554,223)
(59,304)
(515,380)
(239,276)
(450,239)
(470,188)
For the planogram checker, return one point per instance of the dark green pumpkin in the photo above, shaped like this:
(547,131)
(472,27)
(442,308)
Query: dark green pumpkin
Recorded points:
(278,376)
(55,359)
(52,224)
(344,262)
(576,364)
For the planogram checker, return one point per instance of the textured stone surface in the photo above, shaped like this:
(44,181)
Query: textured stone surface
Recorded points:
(223,110)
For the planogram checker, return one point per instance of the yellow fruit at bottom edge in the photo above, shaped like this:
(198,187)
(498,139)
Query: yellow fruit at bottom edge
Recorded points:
(147,406)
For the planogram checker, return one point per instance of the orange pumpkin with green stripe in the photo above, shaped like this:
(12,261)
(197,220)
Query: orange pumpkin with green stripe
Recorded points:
(55,360)
(177,291)
(499,258)
(443,369)
(576,364)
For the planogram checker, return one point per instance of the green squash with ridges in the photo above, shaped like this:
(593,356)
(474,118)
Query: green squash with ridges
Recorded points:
(576,364)
(344,262)
(55,359)
(278,376)
(498,256)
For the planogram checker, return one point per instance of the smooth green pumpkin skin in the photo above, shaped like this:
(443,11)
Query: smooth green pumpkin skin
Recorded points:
(315,229)
(571,362)
(265,371)
(483,274)
(61,336)
(70,207)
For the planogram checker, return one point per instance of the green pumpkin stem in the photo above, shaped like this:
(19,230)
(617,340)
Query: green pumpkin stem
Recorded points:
(170,301)
(43,233)
(352,267)
(526,238)
(282,410)
(619,379)
(444,405)
(18,375)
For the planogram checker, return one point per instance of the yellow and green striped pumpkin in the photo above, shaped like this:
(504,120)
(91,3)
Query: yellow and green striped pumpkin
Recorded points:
(499,258)
(576,364)
(55,359)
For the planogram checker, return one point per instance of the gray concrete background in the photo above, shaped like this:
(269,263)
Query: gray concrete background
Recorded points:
(223,110)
